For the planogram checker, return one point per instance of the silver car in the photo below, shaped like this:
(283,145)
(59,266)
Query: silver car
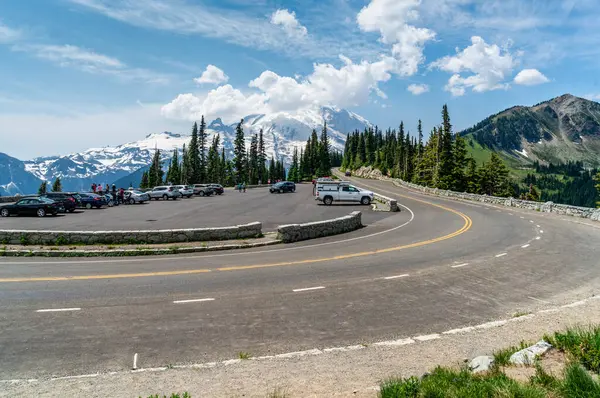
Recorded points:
(133,196)
(164,192)
(185,190)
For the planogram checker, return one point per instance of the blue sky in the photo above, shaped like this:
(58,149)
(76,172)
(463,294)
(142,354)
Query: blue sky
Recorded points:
(85,73)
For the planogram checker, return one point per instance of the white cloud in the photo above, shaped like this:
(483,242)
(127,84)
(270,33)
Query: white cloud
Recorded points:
(8,34)
(391,19)
(90,62)
(530,77)
(287,20)
(212,75)
(418,89)
(350,85)
(488,65)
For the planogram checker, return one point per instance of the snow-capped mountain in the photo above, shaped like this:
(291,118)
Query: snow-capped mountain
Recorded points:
(282,132)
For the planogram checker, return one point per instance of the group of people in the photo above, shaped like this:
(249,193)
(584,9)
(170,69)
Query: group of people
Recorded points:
(241,186)
(118,195)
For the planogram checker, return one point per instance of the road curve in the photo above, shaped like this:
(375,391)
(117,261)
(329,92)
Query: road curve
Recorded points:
(438,265)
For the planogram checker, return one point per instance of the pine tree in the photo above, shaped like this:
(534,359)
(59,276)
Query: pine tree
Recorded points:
(459,153)
(420,143)
(174,173)
(272,171)
(324,159)
(494,178)
(597,178)
(472,176)
(253,161)
(57,186)
(225,170)
(185,167)
(155,173)
(446,166)
(193,153)
(262,159)
(202,161)
(359,159)
(294,172)
(144,183)
(239,154)
(213,168)
(314,153)
(42,190)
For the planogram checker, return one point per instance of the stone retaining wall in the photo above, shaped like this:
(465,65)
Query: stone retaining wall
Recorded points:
(298,232)
(16,237)
(389,204)
(548,207)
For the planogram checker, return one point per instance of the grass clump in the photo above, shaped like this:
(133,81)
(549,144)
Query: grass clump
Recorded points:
(443,382)
(502,357)
(184,395)
(278,393)
(579,384)
(583,344)
(244,355)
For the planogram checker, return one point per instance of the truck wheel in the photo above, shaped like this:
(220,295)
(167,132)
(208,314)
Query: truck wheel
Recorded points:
(365,201)
(328,200)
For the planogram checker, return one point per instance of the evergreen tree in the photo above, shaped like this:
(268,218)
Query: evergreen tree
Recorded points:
(262,159)
(155,173)
(253,161)
(42,190)
(459,153)
(324,159)
(144,183)
(202,159)
(185,167)
(494,178)
(597,178)
(359,159)
(239,154)
(57,186)
(420,143)
(225,173)
(193,153)
(213,167)
(174,173)
(314,153)
(446,165)
(272,171)
(346,153)
(472,176)
(294,172)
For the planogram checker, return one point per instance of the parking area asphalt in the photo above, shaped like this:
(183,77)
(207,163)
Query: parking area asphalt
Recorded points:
(231,208)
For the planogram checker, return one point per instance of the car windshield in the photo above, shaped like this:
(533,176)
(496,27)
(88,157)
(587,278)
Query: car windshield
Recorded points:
(137,192)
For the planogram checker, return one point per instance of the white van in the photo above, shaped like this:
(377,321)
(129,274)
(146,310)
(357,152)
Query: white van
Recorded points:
(341,191)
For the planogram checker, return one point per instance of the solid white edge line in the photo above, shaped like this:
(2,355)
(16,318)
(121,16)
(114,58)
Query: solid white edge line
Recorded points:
(460,265)
(501,255)
(525,246)
(193,301)
(537,238)
(135,357)
(306,289)
(396,276)
(58,309)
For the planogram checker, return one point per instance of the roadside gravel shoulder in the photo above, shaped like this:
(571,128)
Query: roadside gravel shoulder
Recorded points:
(343,373)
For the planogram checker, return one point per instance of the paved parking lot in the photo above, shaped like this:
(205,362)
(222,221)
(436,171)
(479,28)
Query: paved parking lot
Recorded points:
(231,208)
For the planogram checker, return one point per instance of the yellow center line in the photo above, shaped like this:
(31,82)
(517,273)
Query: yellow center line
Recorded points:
(467,225)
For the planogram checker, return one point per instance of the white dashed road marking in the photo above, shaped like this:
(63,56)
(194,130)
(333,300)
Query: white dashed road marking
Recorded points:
(59,310)
(537,238)
(541,232)
(308,289)
(428,337)
(537,226)
(460,265)
(396,277)
(526,246)
(501,255)
(193,301)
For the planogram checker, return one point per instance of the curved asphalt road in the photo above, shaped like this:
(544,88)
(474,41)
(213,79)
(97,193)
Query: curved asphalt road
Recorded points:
(436,266)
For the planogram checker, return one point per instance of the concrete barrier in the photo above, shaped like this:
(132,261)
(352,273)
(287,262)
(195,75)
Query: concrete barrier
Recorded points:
(318,229)
(389,204)
(26,237)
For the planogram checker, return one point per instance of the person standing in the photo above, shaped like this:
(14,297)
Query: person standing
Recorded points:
(244,186)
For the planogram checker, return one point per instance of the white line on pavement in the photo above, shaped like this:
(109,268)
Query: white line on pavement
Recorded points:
(501,255)
(537,299)
(395,276)
(537,238)
(537,226)
(308,289)
(135,357)
(541,232)
(460,265)
(193,300)
(427,337)
(531,221)
(526,246)
(522,217)
(59,309)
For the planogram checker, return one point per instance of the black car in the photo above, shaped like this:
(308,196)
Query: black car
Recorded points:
(218,188)
(68,201)
(283,186)
(33,206)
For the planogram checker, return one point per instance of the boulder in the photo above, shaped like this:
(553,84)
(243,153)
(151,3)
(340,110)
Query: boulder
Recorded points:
(481,364)
(529,354)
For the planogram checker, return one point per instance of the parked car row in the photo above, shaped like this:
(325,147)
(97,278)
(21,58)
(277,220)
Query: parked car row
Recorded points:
(174,192)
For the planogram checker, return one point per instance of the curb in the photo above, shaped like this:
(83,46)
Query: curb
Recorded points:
(132,252)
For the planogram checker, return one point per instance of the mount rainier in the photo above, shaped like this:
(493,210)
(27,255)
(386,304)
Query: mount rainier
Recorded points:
(124,163)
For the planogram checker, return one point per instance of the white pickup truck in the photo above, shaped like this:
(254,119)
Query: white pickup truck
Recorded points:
(341,191)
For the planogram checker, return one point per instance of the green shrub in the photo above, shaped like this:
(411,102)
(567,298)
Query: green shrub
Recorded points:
(244,355)
(61,241)
(581,343)
(24,239)
(579,384)
(502,357)
(406,388)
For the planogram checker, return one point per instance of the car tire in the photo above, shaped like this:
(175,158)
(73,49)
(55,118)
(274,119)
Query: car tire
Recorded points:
(281,191)
(365,201)
(41,213)
(71,210)
(88,206)
(328,200)
(4,213)
(131,201)
(201,193)
(165,197)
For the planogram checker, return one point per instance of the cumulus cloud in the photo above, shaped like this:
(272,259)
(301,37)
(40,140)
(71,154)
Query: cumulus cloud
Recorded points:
(488,66)
(391,18)
(287,20)
(8,34)
(530,77)
(212,75)
(418,89)
(350,85)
